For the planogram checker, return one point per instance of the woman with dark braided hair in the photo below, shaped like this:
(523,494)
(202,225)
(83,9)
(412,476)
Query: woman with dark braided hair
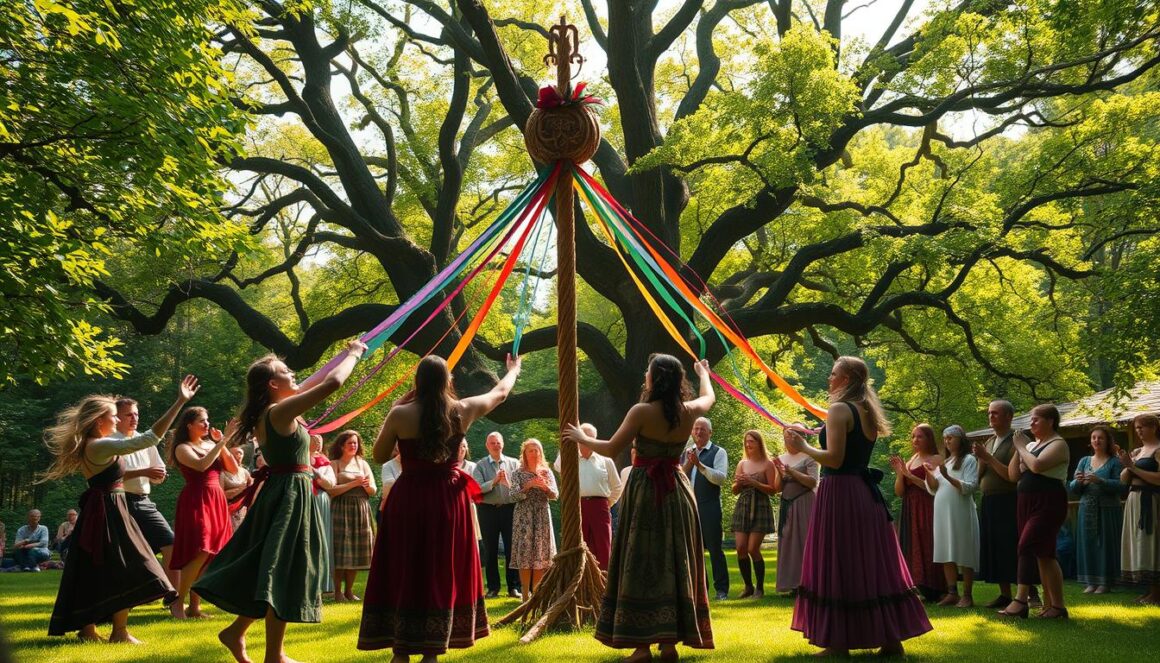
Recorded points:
(424,593)
(656,592)
(272,568)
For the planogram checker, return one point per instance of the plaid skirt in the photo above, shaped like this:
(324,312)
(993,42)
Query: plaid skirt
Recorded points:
(753,513)
(354,533)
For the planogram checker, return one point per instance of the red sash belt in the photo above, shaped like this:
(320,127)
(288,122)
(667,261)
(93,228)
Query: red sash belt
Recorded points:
(662,471)
(246,497)
(94,532)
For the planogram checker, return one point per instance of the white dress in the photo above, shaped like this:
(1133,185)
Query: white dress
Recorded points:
(956,523)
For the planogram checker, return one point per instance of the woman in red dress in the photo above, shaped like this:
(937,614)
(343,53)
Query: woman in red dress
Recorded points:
(424,593)
(202,524)
(916,524)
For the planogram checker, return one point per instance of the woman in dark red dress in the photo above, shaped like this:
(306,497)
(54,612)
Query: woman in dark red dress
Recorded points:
(426,595)
(916,522)
(202,524)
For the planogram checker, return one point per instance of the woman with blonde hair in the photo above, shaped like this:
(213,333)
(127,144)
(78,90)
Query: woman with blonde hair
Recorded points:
(111,567)
(856,592)
(533,541)
(754,481)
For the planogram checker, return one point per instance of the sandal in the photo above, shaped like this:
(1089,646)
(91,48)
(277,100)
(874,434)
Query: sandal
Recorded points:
(1021,614)
(1054,613)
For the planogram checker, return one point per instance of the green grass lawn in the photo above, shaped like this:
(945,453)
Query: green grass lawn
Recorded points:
(1103,628)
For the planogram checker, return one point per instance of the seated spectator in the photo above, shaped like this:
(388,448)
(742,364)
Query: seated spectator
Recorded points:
(64,533)
(31,545)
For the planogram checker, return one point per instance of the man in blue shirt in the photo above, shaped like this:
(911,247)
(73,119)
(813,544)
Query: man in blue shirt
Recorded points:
(31,546)
(493,472)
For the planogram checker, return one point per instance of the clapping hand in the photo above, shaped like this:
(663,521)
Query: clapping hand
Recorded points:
(501,477)
(1123,455)
(898,466)
(215,435)
(981,452)
(742,479)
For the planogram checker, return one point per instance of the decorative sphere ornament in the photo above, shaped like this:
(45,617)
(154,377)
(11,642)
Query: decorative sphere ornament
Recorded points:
(562,130)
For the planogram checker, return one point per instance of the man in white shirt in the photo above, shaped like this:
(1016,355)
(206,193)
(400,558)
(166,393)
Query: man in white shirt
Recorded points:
(707,465)
(493,473)
(143,469)
(31,545)
(600,488)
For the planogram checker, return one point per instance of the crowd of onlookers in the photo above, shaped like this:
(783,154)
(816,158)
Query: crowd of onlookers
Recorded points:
(944,537)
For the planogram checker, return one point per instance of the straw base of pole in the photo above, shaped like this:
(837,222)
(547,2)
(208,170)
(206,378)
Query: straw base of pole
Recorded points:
(569,593)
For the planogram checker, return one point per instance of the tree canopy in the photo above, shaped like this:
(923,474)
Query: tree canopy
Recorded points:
(966,198)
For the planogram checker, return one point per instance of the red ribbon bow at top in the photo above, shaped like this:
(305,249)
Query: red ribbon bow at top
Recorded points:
(550,97)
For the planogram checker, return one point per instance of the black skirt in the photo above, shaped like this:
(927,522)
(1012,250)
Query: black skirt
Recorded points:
(110,565)
(998,538)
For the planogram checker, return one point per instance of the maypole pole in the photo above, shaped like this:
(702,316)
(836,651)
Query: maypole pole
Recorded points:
(563,130)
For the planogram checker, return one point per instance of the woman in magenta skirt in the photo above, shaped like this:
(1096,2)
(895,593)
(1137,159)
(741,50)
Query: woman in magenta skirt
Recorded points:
(856,592)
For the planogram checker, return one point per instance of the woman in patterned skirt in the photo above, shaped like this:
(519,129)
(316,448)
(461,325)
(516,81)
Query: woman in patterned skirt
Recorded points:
(350,512)
(754,480)
(424,593)
(272,567)
(111,567)
(799,481)
(1140,555)
(533,541)
(656,591)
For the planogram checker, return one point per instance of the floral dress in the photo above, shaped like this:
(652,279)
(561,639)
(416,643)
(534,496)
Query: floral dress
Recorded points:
(533,541)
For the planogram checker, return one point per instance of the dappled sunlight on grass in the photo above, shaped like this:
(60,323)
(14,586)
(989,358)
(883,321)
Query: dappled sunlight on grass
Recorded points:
(1108,628)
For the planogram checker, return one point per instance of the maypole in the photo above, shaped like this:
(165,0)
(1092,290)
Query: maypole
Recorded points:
(563,129)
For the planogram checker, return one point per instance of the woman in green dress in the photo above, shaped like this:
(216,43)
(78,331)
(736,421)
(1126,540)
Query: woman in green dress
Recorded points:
(273,567)
(656,591)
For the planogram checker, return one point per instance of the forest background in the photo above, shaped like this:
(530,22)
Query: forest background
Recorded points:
(962,192)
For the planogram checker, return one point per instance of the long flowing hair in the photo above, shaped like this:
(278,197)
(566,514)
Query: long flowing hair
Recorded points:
(859,390)
(180,434)
(257,399)
(66,438)
(439,428)
(669,386)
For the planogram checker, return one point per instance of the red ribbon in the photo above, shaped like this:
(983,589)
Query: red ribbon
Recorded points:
(550,97)
(662,471)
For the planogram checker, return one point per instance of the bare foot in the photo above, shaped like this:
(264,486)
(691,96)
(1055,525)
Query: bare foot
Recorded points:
(966,602)
(352,597)
(89,634)
(176,610)
(235,641)
(124,637)
(641,654)
(338,598)
(669,653)
(1101,590)
(830,651)
(197,614)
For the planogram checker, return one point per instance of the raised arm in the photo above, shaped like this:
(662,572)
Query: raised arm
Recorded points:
(105,449)
(706,396)
(284,413)
(475,407)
